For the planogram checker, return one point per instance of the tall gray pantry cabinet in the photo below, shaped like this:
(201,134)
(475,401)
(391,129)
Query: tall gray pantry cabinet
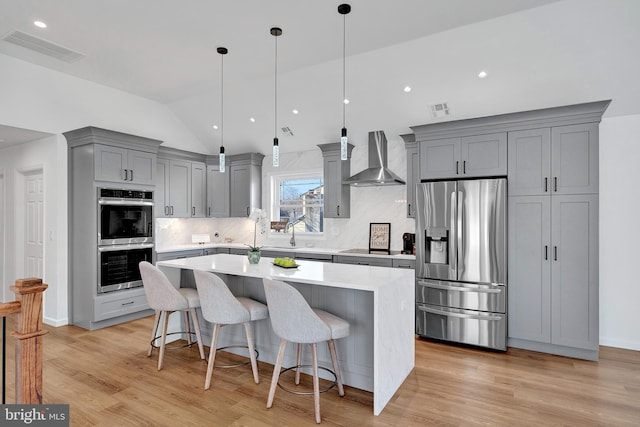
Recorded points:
(102,158)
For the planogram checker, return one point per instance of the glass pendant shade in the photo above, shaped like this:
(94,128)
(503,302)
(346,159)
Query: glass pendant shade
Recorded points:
(222,165)
(276,153)
(343,144)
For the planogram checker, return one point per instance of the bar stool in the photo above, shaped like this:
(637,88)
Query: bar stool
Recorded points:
(164,298)
(293,320)
(221,307)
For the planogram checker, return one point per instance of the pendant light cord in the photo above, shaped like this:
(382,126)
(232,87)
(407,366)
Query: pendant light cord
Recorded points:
(344,44)
(222,101)
(275,107)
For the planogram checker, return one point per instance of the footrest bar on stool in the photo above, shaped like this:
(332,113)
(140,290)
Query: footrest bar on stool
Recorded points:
(174,347)
(239,364)
(322,390)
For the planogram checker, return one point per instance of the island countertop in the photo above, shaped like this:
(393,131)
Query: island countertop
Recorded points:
(378,302)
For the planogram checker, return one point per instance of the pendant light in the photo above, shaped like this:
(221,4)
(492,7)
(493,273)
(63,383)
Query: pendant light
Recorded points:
(276,32)
(343,10)
(222,51)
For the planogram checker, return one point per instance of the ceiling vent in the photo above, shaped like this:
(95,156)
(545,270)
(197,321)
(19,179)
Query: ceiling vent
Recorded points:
(287,131)
(439,111)
(42,46)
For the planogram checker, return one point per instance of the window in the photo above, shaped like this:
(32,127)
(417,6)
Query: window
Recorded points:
(298,202)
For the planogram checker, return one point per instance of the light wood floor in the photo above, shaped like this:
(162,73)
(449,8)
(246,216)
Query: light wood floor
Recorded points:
(108,380)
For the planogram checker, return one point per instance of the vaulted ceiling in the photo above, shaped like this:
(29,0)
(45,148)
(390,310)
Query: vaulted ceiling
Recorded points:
(537,53)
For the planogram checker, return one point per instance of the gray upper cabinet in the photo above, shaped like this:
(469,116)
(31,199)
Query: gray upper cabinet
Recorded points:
(557,160)
(198,190)
(574,159)
(217,192)
(245,183)
(413,172)
(337,196)
(179,194)
(161,208)
(464,157)
(124,165)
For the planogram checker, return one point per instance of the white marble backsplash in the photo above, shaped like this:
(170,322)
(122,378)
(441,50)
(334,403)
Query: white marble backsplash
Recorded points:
(368,204)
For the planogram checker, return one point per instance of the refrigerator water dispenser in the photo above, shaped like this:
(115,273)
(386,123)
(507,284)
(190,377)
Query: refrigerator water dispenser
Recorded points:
(437,239)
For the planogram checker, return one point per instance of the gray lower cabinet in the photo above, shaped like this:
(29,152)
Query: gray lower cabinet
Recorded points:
(464,157)
(556,160)
(404,263)
(164,256)
(307,256)
(361,260)
(121,303)
(553,274)
(277,254)
(337,196)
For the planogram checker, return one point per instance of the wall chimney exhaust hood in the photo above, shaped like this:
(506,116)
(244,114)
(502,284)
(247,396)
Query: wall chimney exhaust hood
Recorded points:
(377,173)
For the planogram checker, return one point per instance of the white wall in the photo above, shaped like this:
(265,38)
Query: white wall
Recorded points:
(41,154)
(620,231)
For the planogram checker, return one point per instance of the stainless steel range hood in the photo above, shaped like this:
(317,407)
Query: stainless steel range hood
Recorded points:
(377,173)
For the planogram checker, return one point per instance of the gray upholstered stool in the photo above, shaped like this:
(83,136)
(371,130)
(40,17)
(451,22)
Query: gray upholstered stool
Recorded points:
(164,298)
(221,307)
(294,320)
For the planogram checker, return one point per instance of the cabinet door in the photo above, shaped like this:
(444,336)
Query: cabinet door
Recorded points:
(160,197)
(574,272)
(240,190)
(198,190)
(217,192)
(110,163)
(413,177)
(142,167)
(484,155)
(440,158)
(574,159)
(333,207)
(180,188)
(529,162)
(529,289)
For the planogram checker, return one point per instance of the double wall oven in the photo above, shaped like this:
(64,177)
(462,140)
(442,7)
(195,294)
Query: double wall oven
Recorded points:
(125,237)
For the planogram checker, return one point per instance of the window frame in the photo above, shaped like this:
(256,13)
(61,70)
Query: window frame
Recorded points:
(274,197)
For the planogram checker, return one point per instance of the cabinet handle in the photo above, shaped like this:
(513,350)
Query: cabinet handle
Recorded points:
(546,184)
(171,211)
(209,214)
(555,253)
(555,184)
(193,211)
(464,167)
(457,162)
(128,303)
(124,171)
(338,212)
(546,252)
(408,209)
(247,210)
(131,170)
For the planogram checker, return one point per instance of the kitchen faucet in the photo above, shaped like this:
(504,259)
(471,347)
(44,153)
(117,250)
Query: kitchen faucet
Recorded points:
(292,224)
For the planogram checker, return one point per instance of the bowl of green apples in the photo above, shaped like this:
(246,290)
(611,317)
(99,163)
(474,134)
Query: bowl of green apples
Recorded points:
(285,262)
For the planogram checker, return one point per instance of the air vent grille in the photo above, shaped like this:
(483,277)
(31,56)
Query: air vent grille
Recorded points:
(287,131)
(42,46)
(440,110)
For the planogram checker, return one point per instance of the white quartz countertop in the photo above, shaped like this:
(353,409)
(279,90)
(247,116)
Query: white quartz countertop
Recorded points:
(301,249)
(359,277)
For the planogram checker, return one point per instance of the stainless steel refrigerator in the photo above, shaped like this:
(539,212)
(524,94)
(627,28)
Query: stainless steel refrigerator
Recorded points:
(461,261)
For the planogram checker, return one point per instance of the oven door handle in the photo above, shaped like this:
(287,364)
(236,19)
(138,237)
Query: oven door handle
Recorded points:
(113,248)
(459,315)
(125,202)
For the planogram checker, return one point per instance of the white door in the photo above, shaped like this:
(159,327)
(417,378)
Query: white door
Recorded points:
(34,223)
(2,239)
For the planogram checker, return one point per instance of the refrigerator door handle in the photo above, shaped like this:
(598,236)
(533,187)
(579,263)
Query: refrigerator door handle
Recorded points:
(460,288)
(453,256)
(459,315)
(460,234)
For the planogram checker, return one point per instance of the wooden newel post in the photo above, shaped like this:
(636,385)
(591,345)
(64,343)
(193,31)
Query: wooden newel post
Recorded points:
(28,333)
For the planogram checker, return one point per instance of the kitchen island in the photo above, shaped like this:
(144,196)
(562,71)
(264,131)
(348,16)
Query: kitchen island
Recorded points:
(377,301)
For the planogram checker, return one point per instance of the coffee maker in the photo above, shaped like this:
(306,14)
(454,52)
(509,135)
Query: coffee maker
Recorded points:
(408,243)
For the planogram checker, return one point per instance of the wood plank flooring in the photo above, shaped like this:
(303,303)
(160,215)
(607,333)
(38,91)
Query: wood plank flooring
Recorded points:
(108,380)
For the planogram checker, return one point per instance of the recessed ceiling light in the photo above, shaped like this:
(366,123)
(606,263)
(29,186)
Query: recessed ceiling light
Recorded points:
(482,74)
(39,24)
(407,89)
(215,127)
(294,111)
(346,101)
(252,120)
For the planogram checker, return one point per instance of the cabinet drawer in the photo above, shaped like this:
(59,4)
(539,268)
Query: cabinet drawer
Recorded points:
(164,256)
(314,257)
(238,251)
(372,261)
(462,295)
(119,304)
(404,263)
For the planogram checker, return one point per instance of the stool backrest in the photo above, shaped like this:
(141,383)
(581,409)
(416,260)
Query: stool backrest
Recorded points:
(291,316)
(161,295)
(217,302)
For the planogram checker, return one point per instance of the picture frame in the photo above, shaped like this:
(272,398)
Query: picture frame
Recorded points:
(380,237)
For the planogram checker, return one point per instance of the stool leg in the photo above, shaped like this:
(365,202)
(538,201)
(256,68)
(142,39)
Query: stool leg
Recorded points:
(187,326)
(163,339)
(298,361)
(212,355)
(316,381)
(252,355)
(336,368)
(276,372)
(154,331)
(196,325)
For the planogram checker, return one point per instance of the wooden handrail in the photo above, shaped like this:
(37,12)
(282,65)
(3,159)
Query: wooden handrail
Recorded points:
(28,334)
